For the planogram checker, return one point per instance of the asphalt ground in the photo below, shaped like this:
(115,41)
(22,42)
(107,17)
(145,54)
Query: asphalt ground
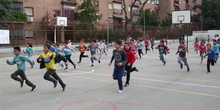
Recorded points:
(153,87)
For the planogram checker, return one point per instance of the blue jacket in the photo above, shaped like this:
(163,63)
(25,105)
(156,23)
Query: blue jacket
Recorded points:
(20,61)
(210,54)
(216,48)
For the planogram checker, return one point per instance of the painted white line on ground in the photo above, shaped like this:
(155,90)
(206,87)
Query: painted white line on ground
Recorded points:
(162,81)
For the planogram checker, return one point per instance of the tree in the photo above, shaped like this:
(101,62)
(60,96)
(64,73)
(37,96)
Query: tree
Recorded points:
(210,17)
(128,19)
(88,12)
(167,22)
(5,6)
(151,19)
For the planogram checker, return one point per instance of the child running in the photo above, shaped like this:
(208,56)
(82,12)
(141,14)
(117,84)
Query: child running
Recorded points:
(216,48)
(140,47)
(48,58)
(152,44)
(29,50)
(147,43)
(130,60)
(211,56)
(20,61)
(92,47)
(120,62)
(196,44)
(202,49)
(163,49)
(133,47)
(67,52)
(82,49)
(182,55)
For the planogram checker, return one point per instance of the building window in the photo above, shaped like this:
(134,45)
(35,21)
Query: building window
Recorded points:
(56,13)
(110,20)
(16,7)
(18,32)
(69,13)
(109,6)
(29,11)
(117,8)
(29,34)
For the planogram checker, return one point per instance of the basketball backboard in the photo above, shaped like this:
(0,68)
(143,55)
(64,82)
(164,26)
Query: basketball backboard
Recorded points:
(179,17)
(61,21)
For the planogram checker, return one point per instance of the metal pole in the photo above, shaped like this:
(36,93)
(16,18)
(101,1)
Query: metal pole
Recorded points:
(55,34)
(187,35)
(201,25)
(107,25)
(144,25)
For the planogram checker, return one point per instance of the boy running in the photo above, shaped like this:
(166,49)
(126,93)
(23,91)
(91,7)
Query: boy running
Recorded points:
(211,56)
(147,43)
(92,47)
(130,60)
(67,52)
(140,47)
(120,62)
(182,55)
(216,48)
(82,49)
(152,44)
(163,49)
(48,58)
(20,61)
(196,44)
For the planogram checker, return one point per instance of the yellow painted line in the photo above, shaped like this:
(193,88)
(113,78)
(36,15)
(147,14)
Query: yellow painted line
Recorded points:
(152,87)
(178,78)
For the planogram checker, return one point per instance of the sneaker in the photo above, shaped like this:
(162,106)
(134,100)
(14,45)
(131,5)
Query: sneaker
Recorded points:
(33,88)
(22,83)
(92,65)
(164,63)
(64,86)
(126,85)
(66,68)
(79,62)
(74,66)
(188,69)
(55,84)
(181,66)
(99,61)
(201,62)
(135,69)
(120,91)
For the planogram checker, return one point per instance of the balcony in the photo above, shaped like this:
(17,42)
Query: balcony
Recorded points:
(117,11)
(119,1)
(69,2)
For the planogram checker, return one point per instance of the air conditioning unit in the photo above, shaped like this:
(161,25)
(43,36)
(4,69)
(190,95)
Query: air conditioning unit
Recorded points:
(30,19)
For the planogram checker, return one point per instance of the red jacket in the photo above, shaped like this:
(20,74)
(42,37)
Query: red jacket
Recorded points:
(146,42)
(130,56)
(202,48)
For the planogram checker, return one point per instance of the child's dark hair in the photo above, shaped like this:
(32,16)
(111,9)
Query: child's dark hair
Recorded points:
(48,42)
(57,44)
(214,40)
(30,45)
(132,40)
(127,43)
(94,41)
(162,41)
(119,42)
(17,48)
(47,45)
(65,42)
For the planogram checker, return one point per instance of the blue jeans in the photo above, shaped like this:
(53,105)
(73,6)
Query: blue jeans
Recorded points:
(161,57)
(118,74)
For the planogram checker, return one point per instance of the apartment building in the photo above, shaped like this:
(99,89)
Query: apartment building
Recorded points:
(167,6)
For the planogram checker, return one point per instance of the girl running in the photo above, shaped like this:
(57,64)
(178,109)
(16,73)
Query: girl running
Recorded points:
(140,47)
(196,44)
(67,52)
(92,47)
(202,49)
(29,50)
(182,55)
(152,44)
(163,49)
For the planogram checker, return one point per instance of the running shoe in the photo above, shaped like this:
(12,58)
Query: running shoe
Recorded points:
(33,88)
(55,84)
(64,86)
(22,83)
(120,91)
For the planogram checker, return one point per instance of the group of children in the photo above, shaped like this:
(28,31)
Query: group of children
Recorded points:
(212,51)
(124,56)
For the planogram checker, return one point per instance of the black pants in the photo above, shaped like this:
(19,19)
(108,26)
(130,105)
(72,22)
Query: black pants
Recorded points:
(146,49)
(53,73)
(23,77)
(139,52)
(128,69)
(82,55)
(210,62)
(68,57)
(152,46)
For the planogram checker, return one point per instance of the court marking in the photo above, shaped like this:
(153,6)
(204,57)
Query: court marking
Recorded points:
(114,107)
(152,87)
